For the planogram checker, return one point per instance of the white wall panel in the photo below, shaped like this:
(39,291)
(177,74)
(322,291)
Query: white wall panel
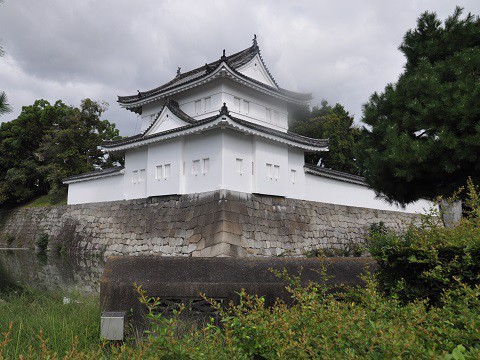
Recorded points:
(163,154)
(97,190)
(237,161)
(271,167)
(199,148)
(339,192)
(135,162)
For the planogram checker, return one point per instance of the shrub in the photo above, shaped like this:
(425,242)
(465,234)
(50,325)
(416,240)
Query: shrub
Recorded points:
(42,243)
(428,259)
(362,323)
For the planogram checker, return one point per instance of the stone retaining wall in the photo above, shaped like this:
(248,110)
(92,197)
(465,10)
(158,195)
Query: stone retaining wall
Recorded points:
(219,223)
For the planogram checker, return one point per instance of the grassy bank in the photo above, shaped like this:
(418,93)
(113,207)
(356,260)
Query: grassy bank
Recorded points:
(46,200)
(32,321)
(361,324)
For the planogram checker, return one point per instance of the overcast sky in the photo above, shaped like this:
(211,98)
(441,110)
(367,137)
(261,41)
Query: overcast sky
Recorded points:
(341,51)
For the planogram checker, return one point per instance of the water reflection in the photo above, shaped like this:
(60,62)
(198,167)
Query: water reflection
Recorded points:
(65,273)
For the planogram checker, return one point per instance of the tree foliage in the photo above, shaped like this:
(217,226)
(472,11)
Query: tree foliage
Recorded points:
(423,133)
(4,106)
(47,143)
(335,124)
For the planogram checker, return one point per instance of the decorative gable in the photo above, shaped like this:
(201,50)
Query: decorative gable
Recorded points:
(165,121)
(256,70)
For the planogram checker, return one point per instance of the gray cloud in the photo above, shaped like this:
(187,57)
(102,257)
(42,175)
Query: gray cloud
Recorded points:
(341,51)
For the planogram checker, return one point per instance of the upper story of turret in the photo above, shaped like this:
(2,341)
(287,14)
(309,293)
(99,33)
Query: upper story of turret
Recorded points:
(242,81)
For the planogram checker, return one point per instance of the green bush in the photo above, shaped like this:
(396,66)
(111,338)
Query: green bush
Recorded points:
(42,243)
(428,259)
(360,324)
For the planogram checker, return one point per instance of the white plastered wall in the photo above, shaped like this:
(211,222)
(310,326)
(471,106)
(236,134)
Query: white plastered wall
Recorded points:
(258,103)
(202,102)
(164,170)
(268,179)
(296,173)
(200,147)
(237,161)
(149,112)
(96,190)
(255,70)
(135,161)
(334,191)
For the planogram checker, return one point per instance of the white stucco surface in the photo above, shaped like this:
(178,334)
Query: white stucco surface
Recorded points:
(136,165)
(96,190)
(205,175)
(334,191)
(164,169)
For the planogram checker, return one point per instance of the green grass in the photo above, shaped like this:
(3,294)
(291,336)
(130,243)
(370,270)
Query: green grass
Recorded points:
(45,200)
(361,324)
(39,318)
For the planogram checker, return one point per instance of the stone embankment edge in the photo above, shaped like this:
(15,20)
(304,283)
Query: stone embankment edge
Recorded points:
(218,223)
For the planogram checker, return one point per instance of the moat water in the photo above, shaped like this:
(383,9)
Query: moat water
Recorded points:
(22,269)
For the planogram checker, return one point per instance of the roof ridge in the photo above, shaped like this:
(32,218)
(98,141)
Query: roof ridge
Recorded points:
(334,172)
(181,76)
(233,61)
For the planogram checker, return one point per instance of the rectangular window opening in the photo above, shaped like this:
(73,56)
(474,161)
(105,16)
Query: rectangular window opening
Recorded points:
(195,167)
(206,165)
(208,103)
(269,171)
(268,115)
(276,171)
(159,172)
(293,174)
(236,104)
(246,106)
(239,166)
(166,171)
(198,106)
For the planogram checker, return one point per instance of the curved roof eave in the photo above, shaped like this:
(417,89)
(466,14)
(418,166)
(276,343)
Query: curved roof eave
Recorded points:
(223,70)
(98,174)
(217,121)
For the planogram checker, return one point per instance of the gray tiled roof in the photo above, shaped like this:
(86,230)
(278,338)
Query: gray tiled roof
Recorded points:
(334,174)
(234,61)
(197,123)
(97,173)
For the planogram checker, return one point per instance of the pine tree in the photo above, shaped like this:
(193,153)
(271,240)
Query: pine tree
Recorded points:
(422,137)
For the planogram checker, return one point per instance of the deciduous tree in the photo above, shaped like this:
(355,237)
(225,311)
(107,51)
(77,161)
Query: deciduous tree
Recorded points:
(47,143)
(335,124)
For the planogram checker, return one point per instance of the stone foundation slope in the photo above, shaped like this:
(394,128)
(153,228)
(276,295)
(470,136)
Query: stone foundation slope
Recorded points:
(219,223)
